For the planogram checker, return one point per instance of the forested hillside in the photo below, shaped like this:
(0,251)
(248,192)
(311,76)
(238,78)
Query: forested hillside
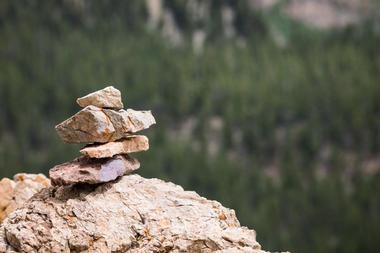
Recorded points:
(275,119)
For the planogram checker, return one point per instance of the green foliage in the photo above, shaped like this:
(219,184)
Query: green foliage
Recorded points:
(305,109)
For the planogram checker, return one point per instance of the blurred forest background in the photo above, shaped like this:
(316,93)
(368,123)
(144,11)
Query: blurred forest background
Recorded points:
(271,107)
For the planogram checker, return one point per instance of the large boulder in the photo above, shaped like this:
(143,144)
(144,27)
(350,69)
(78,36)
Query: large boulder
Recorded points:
(132,214)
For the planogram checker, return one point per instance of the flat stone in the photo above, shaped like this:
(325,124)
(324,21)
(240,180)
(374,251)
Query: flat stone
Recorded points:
(93,124)
(109,97)
(128,145)
(129,120)
(86,170)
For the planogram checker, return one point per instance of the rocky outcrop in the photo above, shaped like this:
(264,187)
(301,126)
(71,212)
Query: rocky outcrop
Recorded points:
(133,214)
(13,193)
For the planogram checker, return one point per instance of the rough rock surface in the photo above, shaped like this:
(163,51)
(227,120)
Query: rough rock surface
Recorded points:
(108,97)
(128,145)
(6,194)
(94,124)
(92,171)
(133,214)
(130,121)
(13,193)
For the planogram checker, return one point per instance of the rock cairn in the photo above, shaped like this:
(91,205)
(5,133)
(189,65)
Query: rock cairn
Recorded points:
(97,213)
(110,134)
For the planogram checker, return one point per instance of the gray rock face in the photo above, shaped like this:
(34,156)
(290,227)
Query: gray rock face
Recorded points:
(108,97)
(94,124)
(92,171)
(128,145)
(133,214)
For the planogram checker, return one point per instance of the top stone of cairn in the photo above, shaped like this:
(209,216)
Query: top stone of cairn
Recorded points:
(109,97)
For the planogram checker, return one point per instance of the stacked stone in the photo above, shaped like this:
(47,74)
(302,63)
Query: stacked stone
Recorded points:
(109,132)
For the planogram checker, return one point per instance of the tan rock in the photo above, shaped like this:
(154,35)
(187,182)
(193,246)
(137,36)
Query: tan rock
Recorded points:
(85,170)
(132,214)
(109,97)
(93,124)
(6,195)
(14,193)
(130,121)
(128,145)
